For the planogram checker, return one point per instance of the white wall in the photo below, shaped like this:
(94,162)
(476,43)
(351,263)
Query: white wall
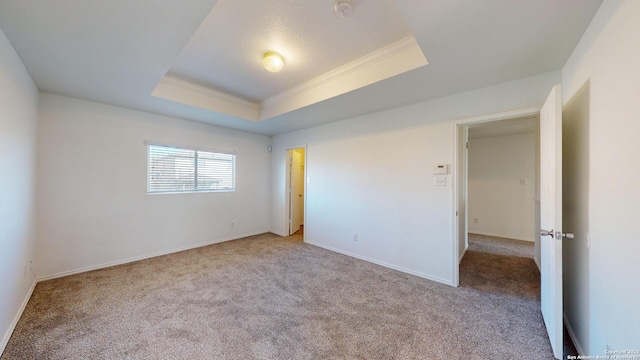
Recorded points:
(18,110)
(607,57)
(372,175)
(503,206)
(93,209)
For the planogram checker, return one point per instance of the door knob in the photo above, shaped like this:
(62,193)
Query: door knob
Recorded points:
(547,233)
(557,234)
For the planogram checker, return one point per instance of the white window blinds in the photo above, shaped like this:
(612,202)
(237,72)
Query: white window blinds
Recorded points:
(173,169)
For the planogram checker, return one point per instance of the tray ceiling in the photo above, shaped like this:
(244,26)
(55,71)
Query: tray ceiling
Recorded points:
(201,59)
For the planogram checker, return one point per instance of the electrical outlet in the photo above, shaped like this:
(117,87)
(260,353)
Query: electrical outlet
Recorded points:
(476,220)
(232,224)
(355,237)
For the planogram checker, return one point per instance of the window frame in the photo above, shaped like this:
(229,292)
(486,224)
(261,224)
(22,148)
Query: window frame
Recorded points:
(195,150)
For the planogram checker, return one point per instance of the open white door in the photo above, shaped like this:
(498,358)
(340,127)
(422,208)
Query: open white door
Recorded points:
(551,218)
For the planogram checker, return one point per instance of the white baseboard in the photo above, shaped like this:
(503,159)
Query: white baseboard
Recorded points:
(143,257)
(381,263)
(9,332)
(572,335)
(501,236)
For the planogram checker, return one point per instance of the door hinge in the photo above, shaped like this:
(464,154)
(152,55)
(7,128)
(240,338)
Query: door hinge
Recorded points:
(467,145)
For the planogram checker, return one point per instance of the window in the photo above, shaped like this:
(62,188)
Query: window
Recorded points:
(174,169)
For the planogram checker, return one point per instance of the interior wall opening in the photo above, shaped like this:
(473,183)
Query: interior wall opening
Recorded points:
(501,181)
(295,190)
(497,182)
(485,216)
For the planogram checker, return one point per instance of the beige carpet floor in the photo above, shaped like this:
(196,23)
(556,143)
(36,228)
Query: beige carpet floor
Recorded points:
(504,266)
(501,246)
(267,297)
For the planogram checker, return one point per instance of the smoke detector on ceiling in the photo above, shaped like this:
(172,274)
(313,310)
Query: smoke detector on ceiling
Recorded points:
(343,8)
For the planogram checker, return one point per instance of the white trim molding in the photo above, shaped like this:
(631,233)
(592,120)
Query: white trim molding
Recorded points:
(455,124)
(188,93)
(389,61)
(147,256)
(381,263)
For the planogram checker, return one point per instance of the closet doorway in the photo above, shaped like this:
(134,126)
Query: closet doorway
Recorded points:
(295,189)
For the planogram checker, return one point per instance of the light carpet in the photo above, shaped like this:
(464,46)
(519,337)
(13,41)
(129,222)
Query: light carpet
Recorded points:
(501,246)
(267,297)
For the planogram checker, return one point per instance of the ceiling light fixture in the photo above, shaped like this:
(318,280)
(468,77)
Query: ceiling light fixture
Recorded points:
(272,61)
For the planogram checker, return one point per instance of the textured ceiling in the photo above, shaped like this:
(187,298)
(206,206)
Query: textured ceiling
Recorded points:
(118,51)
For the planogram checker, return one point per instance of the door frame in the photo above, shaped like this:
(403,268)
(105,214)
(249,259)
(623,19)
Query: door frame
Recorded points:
(287,213)
(461,178)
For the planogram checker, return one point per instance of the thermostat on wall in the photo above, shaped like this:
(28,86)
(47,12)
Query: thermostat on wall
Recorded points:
(441,169)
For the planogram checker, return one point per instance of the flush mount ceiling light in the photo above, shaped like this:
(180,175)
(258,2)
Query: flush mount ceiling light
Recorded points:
(272,61)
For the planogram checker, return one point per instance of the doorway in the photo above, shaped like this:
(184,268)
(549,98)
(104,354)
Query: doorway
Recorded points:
(502,179)
(465,214)
(295,190)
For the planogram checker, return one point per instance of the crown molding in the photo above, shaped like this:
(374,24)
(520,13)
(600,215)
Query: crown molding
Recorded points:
(188,93)
(389,61)
(354,66)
